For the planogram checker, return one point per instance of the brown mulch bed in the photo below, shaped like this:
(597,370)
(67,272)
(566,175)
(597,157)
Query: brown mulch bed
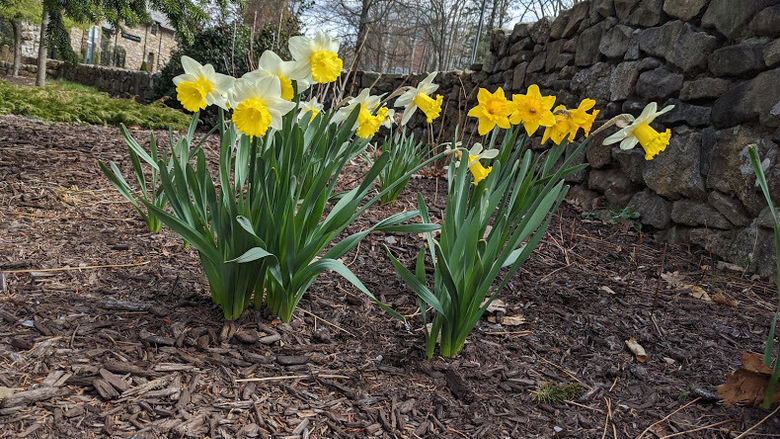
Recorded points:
(140,351)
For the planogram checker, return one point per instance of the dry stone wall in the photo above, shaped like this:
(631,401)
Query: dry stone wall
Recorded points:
(112,80)
(717,61)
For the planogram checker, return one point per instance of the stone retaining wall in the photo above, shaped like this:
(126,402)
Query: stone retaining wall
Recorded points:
(717,61)
(114,81)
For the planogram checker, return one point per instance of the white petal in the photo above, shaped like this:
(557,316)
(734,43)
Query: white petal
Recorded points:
(300,47)
(190,65)
(475,149)
(406,98)
(184,77)
(666,109)
(269,61)
(408,112)
(629,143)
(490,154)
(617,137)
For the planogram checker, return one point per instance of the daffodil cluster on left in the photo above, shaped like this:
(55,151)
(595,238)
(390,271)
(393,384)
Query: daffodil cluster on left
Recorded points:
(259,224)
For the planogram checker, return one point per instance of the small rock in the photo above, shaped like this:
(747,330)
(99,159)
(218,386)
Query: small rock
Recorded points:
(684,9)
(658,84)
(729,17)
(652,209)
(696,213)
(738,59)
(703,88)
(767,22)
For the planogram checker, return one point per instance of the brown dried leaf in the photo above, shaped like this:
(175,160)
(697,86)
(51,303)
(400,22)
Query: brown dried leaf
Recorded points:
(699,293)
(497,305)
(515,320)
(721,299)
(637,349)
(673,279)
(748,384)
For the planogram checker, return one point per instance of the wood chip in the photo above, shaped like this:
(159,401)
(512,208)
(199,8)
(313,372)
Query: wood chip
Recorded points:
(115,380)
(30,396)
(104,389)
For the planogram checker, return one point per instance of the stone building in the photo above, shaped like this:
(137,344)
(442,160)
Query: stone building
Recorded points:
(129,48)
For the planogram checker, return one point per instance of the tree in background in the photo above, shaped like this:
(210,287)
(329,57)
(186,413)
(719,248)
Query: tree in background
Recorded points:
(234,43)
(16,12)
(399,36)
(184,15)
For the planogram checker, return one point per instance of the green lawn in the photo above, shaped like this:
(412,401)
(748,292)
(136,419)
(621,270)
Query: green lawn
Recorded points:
(63,101)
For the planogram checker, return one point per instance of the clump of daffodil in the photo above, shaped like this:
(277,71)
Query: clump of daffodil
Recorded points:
(581,119)
(316,58)
(309,107)
(532,110)
(200,86)
(639,131)
(367,122)
(563,127)
(257,105)
(475,154)
(569,122)
(420,97)
(270,64)
(493,109)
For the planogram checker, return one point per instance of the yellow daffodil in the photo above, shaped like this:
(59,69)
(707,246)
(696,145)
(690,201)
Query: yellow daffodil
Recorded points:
(271,65)
(200,86)
(258,105)
(364,98)
(532,110)
(564,126)
(420,97)
(316,58)
(475,154)
(309,107)
(369,124)
(640,131)
(493,109)
(581,118)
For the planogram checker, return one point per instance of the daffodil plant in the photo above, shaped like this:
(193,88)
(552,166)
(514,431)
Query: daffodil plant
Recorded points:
(150,190)
(769,350)
(491,224)
(404,154)
(266,225)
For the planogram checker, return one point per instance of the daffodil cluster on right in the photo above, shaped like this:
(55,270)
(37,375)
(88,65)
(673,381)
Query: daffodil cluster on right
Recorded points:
(533,111)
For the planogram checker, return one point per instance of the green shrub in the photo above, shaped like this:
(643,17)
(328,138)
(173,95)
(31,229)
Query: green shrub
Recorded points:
(75,103)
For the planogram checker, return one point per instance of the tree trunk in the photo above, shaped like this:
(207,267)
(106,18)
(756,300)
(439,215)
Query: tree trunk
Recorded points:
(17,47)
(40,81)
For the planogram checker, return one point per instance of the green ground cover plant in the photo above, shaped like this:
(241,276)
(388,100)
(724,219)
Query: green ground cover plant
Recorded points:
(79,104)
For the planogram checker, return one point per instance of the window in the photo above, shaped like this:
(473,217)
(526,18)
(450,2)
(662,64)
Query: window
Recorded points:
(154,28)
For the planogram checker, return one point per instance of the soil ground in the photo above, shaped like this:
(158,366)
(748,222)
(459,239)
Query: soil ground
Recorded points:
(140,351)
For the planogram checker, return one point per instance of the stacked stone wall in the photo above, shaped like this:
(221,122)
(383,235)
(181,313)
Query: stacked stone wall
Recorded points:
(114,81)
(717,61)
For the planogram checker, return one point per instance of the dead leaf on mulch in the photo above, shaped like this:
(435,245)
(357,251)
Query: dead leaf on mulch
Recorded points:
(699,293)
(721,299)
(673,279)
(748,384)
(637,349)
(515,320)
(496,305)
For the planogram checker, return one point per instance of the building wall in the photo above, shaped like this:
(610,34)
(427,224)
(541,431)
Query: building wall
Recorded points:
(136,45)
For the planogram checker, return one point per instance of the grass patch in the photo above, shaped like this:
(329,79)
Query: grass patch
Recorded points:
(549,393)
(64,101)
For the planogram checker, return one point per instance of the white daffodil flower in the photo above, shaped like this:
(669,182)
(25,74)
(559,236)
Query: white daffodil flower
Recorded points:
(309,107)
(420,97)
(257,105)
(270,64)
(316,58)
(200,86)
(640,131)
